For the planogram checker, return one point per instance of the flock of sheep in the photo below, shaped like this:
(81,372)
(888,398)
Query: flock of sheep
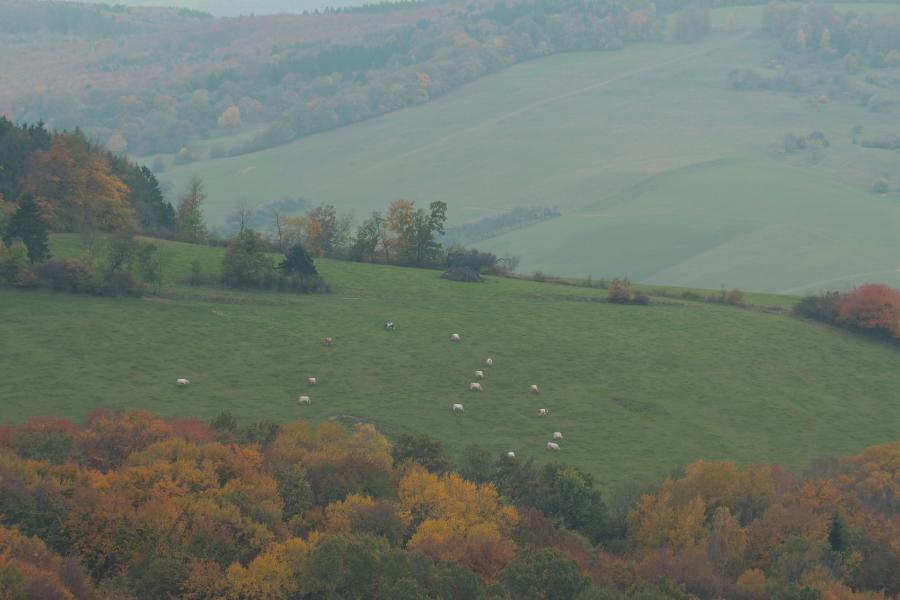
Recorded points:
(475,386)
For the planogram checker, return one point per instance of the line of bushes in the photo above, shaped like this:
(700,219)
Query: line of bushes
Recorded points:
(872,310)
(621,292)
(120,266)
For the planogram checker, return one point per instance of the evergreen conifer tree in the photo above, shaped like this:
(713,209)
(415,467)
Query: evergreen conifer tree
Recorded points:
(298,262)
(28,225)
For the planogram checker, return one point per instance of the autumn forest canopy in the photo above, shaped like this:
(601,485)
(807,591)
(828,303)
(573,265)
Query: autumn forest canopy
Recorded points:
(292,75)
(135,506)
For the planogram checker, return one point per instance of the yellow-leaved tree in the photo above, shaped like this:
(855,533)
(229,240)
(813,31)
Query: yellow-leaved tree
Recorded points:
(458,520)
(273,575)
(76,188)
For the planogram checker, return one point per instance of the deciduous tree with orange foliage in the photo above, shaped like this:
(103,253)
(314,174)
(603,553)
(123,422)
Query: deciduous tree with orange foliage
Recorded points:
(873,308)
(77,189)
(458,520)
(135,506)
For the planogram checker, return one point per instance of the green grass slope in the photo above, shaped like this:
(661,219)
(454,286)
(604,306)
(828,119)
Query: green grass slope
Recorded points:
(662,171)
(732,222)
(635,390)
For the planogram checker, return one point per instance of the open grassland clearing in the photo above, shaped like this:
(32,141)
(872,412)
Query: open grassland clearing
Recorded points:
(728,223)
(635,390)
(662,171)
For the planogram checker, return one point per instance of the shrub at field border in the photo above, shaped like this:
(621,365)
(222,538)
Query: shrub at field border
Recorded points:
(872,309)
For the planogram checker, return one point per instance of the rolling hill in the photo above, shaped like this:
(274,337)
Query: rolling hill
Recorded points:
(635,390)
(235,8)
(661,170)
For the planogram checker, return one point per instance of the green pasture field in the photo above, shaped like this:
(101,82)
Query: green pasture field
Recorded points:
(635,390)
(662,171)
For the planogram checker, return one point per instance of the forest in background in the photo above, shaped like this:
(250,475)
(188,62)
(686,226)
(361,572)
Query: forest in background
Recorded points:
(150,81)
(135,506)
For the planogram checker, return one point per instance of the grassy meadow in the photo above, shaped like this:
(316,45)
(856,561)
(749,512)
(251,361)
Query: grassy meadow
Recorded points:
(635,390)
(661,170)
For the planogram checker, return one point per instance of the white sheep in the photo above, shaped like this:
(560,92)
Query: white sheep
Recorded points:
(304,400)
(475,387)
(458,408)
(454,337)
(543,412)
(552,446)
(557,435)
(510,455)
(312,381)
(535,389)
(489,362)
(183,381)
(479,374)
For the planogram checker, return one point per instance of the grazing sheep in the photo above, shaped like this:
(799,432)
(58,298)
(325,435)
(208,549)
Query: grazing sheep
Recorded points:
(543,412)
(510,455)
(458,408)
(304,400)
(557,435)
(552,446)
(328,341)
(312,381)
(454,337)
(479,374)
(535,389)
(183,381)
(475,387)
(388,325)
(489,362)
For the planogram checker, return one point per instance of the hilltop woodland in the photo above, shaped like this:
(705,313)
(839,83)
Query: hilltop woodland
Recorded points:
(161,78)
(134,506)
(59,182)
(833,53)
(78,186)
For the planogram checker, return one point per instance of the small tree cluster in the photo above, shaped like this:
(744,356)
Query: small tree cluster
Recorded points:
(619,292)
(406,235)
(481,262)
(249,263)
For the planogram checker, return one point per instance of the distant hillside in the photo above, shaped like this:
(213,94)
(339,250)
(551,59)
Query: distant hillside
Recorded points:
(234,8)
(163,79)
(661,168)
